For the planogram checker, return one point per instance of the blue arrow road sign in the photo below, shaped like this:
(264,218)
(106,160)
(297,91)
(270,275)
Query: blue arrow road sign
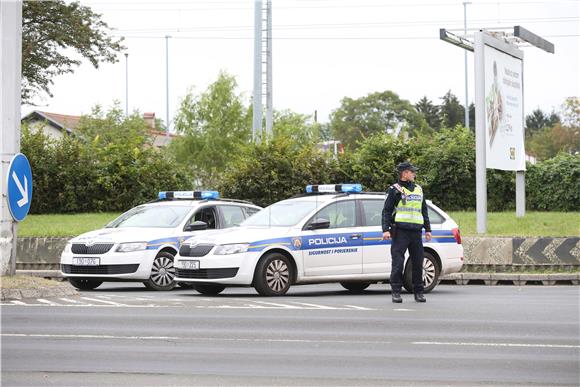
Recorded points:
(19,187)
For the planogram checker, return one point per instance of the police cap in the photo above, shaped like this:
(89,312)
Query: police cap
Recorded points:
(406,166)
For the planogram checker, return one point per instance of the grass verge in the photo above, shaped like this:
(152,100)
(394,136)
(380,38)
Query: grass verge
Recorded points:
(533,224)
(69,225)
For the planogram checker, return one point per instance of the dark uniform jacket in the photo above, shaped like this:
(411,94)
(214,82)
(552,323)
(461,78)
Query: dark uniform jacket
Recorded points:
(393,198)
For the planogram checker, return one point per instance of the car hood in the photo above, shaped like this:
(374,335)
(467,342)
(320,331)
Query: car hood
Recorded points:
(127,234)
(240,235)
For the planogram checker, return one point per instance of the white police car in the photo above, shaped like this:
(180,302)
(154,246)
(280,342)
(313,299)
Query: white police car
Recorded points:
(141,243)
(332,234)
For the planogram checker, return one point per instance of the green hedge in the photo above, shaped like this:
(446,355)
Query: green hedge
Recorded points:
(71,175)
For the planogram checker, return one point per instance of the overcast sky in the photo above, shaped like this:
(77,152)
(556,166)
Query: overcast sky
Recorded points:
(323,51)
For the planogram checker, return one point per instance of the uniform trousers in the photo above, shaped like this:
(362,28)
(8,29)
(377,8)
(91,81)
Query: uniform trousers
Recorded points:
(403,240)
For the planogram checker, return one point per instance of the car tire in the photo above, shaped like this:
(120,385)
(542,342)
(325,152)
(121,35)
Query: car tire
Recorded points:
(162,273)
(84,283)
(355,287)
(431,273)
(273,275)
(209,289)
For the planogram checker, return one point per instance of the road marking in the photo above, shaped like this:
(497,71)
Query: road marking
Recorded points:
(315,306)
(63,336)
(69,300)
(525,345)
(103,301)
(42,300)
(358,307)
(404,310)
(273,304)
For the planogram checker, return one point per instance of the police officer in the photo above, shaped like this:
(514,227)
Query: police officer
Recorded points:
(404,216)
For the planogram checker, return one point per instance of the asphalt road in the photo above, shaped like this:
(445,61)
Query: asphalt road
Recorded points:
(316,335)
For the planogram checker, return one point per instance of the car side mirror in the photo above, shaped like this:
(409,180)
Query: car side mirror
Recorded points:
(319,224)
(196,226)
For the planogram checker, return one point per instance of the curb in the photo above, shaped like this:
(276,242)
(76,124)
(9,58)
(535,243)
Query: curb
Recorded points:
(510,279)
(60,290)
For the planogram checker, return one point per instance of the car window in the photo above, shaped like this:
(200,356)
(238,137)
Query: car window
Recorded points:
(372,212)
(250,211)
(151,216)
(232,215)
(207,215)
(285,213)
(434,216)
(340,214)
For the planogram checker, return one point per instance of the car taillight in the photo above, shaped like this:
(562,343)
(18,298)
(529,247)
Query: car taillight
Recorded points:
(456,235)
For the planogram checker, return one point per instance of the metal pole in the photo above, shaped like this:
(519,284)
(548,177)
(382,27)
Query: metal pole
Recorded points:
(257,103)
(269,107)
(10,79)
(480,145)
(167,86)
(465,59)
(126,84)
(521,175)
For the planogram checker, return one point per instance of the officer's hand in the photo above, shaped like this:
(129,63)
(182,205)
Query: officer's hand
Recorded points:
(427,236)
(386,235)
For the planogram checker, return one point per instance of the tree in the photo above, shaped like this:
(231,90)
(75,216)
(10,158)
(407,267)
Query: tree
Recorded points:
(48,27)
(538,120)
(452,112)
(214,125)
(381,112)
(295,126)
(430,112)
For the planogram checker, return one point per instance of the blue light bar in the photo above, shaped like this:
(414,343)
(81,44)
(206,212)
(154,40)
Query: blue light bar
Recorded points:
(199,195)
(334,188)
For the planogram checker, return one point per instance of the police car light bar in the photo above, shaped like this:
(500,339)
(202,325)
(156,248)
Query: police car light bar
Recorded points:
(200,195)
(347,188)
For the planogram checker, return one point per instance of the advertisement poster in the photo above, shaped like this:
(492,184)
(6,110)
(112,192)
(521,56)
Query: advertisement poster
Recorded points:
(504,126)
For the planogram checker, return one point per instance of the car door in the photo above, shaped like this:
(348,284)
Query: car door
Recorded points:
(376,251)
(336,250)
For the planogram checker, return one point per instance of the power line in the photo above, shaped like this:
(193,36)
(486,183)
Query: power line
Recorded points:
(314,37)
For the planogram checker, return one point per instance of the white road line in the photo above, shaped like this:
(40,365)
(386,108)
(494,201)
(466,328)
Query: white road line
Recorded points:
(103,301)
(69,300)
(525,345)
(358,307)
(62,336)
(316,306)
(404,310)
(273,304)
(42,300)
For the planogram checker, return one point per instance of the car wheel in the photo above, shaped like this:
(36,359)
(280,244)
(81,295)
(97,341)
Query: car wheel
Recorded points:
(273,275)
(430,274)
(84,284)
(209,289)
(162,273)
(355,287)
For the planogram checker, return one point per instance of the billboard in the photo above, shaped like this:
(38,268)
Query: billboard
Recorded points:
(504,126)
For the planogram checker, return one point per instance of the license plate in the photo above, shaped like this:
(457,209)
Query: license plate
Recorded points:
(192,265)
(86,261)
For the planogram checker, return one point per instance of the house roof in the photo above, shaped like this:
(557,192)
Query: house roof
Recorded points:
(61,121)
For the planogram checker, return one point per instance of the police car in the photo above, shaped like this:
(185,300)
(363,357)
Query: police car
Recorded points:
(331,234)
(140,245)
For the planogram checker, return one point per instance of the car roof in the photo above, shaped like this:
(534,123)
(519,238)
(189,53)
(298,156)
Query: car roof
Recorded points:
(195,203)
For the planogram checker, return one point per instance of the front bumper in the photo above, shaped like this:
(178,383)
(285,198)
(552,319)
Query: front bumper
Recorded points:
(233,269)
(134,265)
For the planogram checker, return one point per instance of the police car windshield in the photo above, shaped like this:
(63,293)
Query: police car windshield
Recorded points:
(151,216)
(285,213)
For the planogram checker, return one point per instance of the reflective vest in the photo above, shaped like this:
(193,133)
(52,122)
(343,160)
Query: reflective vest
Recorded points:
(409,208)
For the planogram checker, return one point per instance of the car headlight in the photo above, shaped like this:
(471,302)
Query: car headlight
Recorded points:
(131,246)
(68,248)
(234,248)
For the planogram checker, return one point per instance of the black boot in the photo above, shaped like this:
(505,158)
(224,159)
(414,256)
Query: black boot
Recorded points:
(419,297)
(396,297)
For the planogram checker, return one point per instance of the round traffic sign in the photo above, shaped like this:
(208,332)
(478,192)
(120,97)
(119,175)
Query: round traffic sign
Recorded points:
(19,187)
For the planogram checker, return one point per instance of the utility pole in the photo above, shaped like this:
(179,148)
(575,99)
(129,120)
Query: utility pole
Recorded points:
(167,86)
(10,76)
(127,84)
(262,79)
(465,58)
